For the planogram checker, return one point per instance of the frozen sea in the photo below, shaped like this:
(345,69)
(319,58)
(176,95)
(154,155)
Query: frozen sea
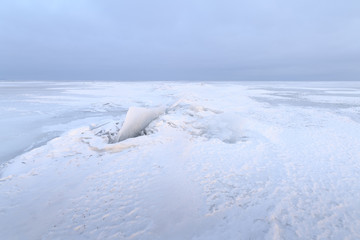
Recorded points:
(227,160)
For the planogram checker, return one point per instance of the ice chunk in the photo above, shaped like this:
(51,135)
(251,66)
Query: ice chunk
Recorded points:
(136,120)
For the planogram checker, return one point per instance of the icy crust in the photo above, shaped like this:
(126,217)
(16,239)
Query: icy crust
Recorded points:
(216,165)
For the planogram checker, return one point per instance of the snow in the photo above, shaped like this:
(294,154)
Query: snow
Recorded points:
(226,161)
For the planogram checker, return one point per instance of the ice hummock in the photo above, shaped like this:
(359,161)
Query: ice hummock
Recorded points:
(136,120)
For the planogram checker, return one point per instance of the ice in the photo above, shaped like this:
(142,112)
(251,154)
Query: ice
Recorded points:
(224,160)
(137,119)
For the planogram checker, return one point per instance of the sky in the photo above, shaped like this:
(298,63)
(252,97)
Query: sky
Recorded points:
(193,40)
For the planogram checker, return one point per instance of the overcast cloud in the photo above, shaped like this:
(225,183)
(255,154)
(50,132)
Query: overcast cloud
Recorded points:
(180,40)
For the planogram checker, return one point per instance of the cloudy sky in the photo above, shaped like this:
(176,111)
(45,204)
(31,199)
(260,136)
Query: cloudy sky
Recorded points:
(180,40)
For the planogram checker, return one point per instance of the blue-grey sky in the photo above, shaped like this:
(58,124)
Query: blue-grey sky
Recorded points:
(180,40)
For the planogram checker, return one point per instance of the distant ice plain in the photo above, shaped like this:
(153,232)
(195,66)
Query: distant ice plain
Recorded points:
(258,160)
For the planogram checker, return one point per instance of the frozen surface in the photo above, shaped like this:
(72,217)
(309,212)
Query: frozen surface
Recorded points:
(31,113)
(136,120)
(225,161)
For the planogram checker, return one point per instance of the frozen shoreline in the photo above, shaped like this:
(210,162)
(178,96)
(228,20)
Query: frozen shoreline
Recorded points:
(32,113)
(230,161)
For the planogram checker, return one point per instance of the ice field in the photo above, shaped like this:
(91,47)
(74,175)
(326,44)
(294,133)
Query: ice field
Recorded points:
(212,160)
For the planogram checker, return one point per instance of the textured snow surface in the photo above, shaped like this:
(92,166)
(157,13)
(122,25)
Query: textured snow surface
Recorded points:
(226,161)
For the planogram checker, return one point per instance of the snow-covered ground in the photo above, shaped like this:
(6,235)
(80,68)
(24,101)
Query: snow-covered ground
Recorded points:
(225,161)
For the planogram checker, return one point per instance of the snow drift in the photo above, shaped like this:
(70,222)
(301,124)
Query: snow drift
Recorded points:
(136,120)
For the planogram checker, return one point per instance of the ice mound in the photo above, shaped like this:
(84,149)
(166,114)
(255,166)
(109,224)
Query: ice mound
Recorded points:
(136,120)
(226,127)
(209,123)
